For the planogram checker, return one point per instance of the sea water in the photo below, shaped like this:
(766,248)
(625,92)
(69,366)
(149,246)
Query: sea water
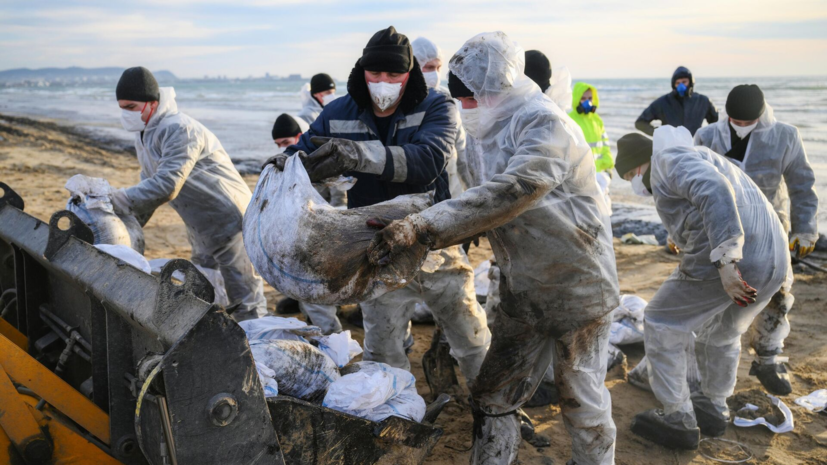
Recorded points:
(242,112)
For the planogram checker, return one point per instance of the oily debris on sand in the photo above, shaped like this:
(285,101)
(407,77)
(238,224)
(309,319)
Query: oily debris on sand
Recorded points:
(766,408)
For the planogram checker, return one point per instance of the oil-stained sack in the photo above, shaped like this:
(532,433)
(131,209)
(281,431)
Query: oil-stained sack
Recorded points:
(311,251)
(299,369)
(90,201)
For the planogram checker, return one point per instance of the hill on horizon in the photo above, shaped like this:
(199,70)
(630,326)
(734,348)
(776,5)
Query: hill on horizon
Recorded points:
(72,73)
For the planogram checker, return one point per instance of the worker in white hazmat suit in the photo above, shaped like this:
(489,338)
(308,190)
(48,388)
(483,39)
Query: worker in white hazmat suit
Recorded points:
(735,259)
(184,164)
(429,56)
(772,154)
(537,199)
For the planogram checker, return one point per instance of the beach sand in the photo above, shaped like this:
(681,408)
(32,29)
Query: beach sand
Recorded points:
(36,159)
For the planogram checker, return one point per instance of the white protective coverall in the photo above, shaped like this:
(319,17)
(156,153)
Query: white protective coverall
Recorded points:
(424,50)
(183,163)
(712,210)
(445,285)
(776,161)
(552,240)
(311,108)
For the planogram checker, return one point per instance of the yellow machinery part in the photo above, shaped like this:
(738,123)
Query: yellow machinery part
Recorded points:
(70,448)
(13,334)
(25,370)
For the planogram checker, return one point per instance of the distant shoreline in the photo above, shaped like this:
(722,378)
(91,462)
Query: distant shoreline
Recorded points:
(79,134)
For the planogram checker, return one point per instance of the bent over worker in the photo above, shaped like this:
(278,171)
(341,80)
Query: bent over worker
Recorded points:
(183,163)
(735,259)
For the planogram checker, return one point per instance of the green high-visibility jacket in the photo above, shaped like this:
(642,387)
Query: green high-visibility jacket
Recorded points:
(592,126)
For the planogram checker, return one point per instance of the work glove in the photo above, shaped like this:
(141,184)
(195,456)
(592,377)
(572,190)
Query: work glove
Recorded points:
(280,160)
(394,237)
(801,247)
(338,156)
(121,203)
(738,290)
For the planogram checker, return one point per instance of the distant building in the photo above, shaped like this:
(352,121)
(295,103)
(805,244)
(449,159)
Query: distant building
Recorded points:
(294,77)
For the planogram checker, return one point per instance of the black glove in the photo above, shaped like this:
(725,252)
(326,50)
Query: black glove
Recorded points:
(332,158)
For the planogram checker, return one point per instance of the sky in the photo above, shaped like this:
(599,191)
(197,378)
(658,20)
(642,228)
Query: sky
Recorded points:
(240,38)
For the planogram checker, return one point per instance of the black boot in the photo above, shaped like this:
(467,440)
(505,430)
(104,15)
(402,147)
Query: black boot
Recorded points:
(677,430)
(527,431)
(287,306)
(774,377)
(711,421)
(546,394)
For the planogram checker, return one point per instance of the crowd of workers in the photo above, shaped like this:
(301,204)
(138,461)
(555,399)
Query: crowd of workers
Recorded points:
(505,160)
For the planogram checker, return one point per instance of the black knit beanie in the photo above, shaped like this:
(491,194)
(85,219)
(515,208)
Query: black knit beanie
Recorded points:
(457,88)
(538,68)
(388,51)
(320,83)
(633,150)
(745,102)
(285,126)
(138,84)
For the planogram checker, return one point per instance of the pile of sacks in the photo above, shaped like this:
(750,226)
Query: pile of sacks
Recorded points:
(296,360)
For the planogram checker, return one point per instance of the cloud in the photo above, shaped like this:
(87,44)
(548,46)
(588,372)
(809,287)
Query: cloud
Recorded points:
(815,29)
(594,38)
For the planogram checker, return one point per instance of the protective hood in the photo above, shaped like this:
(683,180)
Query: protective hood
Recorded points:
(491,65)
(424,51)
(415,91)
(668,137)
(560,89)
(166,107)
(766,121)
(307,98)
(683,72)
(580,88)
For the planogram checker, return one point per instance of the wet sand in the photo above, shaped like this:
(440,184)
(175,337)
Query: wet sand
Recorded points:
(36,159)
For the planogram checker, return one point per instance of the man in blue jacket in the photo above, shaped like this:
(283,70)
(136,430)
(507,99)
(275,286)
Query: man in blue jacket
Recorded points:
(394,135)
(681,107)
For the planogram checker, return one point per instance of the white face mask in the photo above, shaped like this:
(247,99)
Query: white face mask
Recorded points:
(471,120)
(743,131)
(638,187)
(131,120)
(326,99)
(384,94)
(431,79)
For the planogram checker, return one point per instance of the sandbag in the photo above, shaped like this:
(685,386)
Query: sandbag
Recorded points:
(376,391)
(627,321)
(299,369)
(340,347)
(313,252)
(90,202)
